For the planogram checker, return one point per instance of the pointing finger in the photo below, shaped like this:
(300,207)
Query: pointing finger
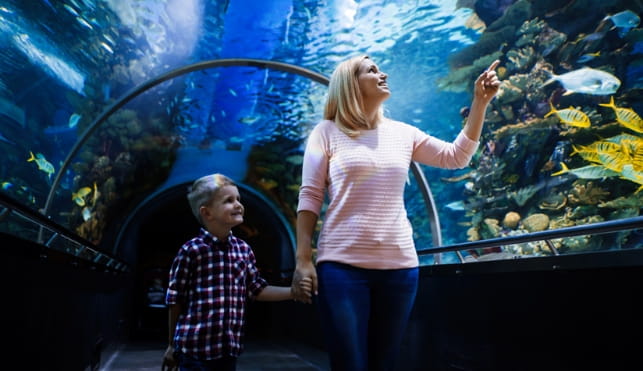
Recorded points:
(493,65)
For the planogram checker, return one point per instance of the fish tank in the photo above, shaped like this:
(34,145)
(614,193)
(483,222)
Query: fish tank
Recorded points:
(104,103)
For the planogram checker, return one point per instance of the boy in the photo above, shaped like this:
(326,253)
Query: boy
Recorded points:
(210,279)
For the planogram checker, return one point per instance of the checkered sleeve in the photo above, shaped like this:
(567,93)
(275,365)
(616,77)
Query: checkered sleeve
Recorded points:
(176,291)
(255,283)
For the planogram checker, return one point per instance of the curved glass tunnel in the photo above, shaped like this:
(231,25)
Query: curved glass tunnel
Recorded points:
(108,113)
(249,147)
(66,63)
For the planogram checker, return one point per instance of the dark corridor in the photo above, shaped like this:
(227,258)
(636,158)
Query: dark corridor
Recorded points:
(165,222)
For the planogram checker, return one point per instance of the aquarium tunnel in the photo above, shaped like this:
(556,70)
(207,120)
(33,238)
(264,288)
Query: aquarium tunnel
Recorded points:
(531,257)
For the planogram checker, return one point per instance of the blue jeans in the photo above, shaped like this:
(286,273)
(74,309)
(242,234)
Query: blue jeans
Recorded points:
(188,363)
(364,314)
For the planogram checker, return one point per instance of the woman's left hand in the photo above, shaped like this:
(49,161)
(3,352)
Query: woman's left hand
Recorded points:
(487,84)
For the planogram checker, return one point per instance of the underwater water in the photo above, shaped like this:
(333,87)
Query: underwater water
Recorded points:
(562,143)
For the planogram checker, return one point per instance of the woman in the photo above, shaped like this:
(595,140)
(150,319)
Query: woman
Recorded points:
(366,272)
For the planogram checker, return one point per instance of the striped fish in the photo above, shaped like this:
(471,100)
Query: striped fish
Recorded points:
(626,116)
(629,173)
(623,137)
(587,172)
(592,151)
(570,116)
(613,160)
(586,152)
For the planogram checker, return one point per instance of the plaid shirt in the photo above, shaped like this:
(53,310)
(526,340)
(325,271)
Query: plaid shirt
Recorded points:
(212,279)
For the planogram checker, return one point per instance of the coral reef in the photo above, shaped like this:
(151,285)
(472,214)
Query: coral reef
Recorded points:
(127,157)
(535,170)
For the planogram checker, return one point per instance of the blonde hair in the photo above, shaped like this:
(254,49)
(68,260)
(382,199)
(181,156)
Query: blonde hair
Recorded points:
(344,104)
(203,190)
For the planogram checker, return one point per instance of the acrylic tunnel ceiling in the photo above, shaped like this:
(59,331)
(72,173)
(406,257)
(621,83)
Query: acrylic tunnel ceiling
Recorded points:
(562,144)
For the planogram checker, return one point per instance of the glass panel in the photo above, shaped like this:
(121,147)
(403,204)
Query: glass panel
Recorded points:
(626,239)
(23,226)
(64,62)
(16,224)
(245,122)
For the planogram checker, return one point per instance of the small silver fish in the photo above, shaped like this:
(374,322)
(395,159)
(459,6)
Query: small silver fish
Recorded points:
(83,22)
(73,120)
(587,81)
(87,213)
(71,10)
(455,206)
(4,139)
(249,120)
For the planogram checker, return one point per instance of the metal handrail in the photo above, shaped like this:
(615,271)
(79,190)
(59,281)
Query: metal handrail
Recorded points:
(578,230)
(434,219)
(59,231)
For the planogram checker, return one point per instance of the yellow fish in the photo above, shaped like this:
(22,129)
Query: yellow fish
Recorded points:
(588,57)
(42,163)
(637,158)
(586,152)
(79,196)
(267,184)
(293,187)
(626,116)
(570,116)
(96,195)
(587,172)
(613,161)
(629,173)
(625,137)
(611,155)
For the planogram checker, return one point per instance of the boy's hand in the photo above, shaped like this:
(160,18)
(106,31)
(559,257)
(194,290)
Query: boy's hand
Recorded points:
(304,283)
(305,288)
(169,362)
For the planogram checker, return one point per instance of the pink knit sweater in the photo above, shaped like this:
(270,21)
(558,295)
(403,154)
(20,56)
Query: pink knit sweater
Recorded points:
(366,223)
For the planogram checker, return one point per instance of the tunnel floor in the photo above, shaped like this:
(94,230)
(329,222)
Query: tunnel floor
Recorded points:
(259,354)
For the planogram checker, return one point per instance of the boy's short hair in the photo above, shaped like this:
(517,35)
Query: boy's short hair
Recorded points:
(204,189)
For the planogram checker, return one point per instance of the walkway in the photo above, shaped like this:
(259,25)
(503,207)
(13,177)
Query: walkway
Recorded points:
(260,355)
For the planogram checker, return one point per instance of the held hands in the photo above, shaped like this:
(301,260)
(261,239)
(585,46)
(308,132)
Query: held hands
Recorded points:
(304,283)
(169,362)
(487,84)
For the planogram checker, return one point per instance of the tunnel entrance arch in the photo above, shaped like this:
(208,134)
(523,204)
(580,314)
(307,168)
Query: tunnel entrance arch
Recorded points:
(162,223)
